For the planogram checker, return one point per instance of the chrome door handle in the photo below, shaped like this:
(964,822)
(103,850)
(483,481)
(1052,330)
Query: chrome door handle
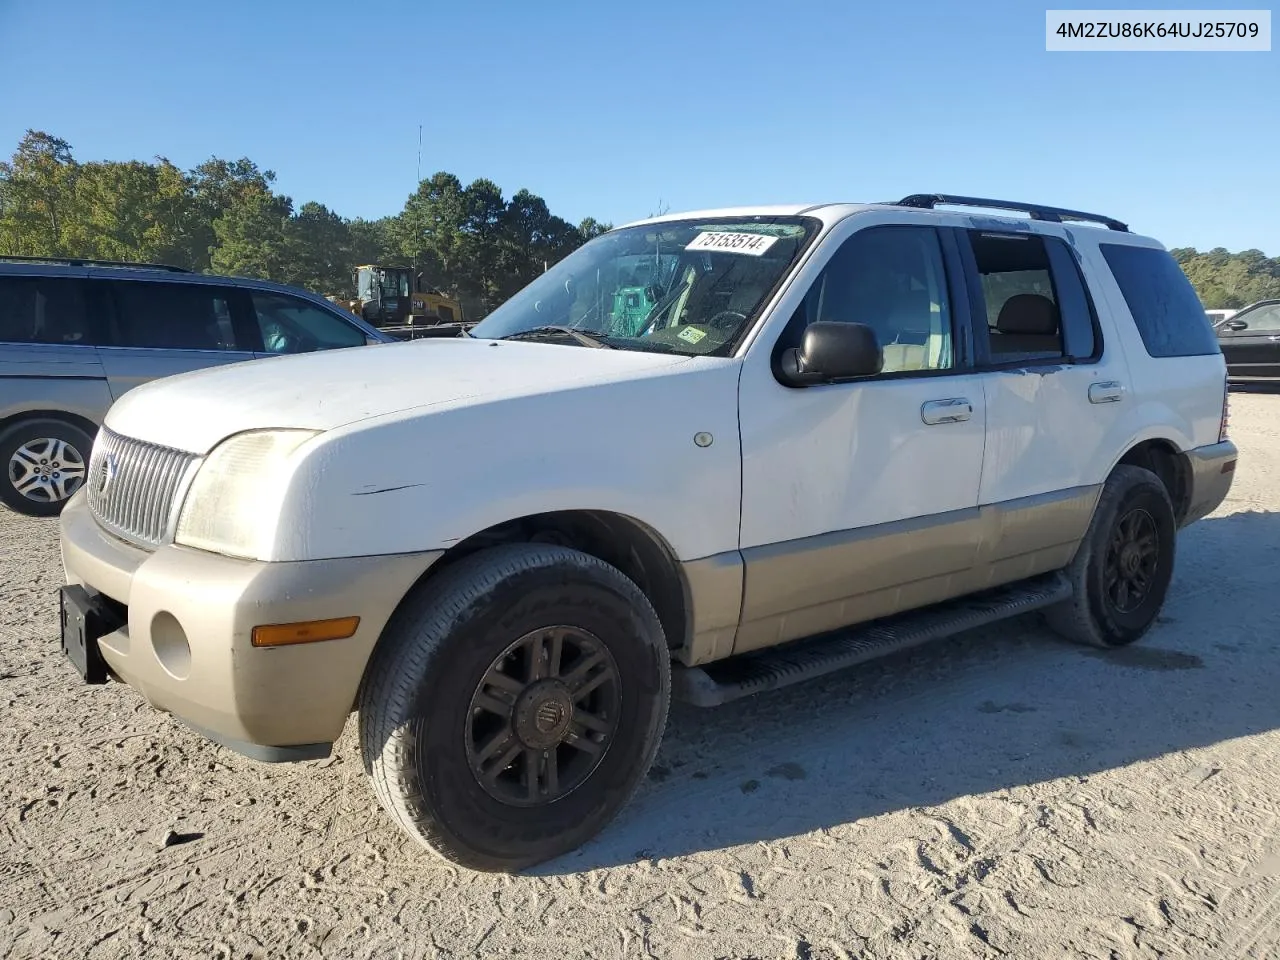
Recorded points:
(1108,391)
(946,411)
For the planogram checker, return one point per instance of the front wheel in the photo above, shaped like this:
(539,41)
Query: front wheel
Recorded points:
(45,461)
(1121,573)
(514,705)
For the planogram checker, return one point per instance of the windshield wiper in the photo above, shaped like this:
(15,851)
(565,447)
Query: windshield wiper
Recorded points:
(583,338)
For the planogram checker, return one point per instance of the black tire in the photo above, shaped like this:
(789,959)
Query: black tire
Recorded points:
(418,714)
(1106,609)
(41,500)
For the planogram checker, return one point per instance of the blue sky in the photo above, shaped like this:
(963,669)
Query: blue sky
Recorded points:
(608,108)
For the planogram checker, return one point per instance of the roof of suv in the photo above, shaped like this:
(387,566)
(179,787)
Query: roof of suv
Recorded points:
(919,203)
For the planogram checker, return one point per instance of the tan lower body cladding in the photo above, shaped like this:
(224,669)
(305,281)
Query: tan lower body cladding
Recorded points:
(768,595)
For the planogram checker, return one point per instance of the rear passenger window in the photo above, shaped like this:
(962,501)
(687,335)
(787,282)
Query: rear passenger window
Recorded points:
(46,310)
(174,316)
(1035,302)
(1168,314)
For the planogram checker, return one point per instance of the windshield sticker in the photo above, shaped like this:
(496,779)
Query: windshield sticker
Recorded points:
(753,244)
(692,334)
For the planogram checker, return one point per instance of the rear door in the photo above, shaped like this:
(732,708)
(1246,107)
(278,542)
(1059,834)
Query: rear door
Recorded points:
(1250,341)
(1054,395)
(161,328)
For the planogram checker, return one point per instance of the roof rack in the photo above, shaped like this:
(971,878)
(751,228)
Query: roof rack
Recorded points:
(83,262)
(1037,211)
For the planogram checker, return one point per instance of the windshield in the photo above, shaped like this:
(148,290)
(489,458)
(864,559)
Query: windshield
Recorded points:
(395,283)
(683,286)
(373,282)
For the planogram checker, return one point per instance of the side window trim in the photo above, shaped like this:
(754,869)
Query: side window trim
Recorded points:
(100,295)
(244,320)
(958,310)
(960,293)
(976,301)
(1074,303)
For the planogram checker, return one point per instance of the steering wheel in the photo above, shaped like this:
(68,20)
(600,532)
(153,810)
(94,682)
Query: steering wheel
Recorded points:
(715,322)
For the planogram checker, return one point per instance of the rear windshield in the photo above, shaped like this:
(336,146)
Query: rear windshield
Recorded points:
(1169,316)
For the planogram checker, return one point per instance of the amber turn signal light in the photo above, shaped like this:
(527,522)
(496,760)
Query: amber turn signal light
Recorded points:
(309,631)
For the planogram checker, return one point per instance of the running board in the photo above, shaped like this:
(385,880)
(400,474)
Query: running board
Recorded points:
(769,669)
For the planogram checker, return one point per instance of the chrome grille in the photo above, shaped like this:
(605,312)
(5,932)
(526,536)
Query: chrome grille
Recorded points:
(132,486)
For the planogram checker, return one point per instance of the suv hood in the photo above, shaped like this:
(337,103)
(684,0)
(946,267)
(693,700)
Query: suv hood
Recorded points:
(331,388)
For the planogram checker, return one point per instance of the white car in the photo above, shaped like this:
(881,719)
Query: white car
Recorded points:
(706,454)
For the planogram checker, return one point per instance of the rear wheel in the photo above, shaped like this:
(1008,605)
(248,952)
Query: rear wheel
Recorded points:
(1121,572)
(514,705)
(45,461)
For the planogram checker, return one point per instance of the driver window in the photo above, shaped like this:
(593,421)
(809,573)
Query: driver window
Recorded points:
(1262,320)
(290,325)
(892,279)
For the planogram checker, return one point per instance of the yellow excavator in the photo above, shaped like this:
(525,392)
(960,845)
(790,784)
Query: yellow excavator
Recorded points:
(395,297)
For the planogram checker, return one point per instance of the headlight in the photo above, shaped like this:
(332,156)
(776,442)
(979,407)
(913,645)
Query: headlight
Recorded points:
(235,498)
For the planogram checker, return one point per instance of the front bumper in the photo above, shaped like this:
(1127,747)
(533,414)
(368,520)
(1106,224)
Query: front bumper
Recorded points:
(186,647)
(1213,468)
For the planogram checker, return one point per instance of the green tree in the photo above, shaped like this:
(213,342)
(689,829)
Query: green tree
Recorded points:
(479,246)
(318,250)
(1230,280)
(533,239)
(590,228)
(225,215)
(137,211)
(38,197)
(217,187)
(371,241)
(252,237)
(429,229)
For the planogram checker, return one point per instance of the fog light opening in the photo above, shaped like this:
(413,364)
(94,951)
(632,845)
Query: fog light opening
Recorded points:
(170,643)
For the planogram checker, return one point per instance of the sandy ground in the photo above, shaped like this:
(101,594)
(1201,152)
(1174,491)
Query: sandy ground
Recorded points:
(1002,794)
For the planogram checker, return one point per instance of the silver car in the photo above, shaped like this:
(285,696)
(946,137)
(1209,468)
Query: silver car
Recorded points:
(76,334)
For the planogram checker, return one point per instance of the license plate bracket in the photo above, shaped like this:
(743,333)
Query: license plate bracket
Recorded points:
(85,619)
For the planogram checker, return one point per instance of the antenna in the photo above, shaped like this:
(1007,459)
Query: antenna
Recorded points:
(413,262)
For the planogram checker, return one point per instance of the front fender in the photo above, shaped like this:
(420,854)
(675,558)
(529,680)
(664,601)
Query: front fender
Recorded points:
(429,479)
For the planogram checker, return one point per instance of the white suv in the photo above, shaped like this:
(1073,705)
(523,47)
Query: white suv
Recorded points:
(706,454)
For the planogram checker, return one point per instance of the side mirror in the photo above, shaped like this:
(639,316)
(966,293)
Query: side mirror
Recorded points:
(1236,325)
(832,351)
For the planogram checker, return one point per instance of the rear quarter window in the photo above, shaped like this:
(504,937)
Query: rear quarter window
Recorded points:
(47,310)
(1165,308)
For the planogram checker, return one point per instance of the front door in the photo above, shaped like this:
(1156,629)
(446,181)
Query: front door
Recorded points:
(1250,342)
(165,328)
(859,499)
